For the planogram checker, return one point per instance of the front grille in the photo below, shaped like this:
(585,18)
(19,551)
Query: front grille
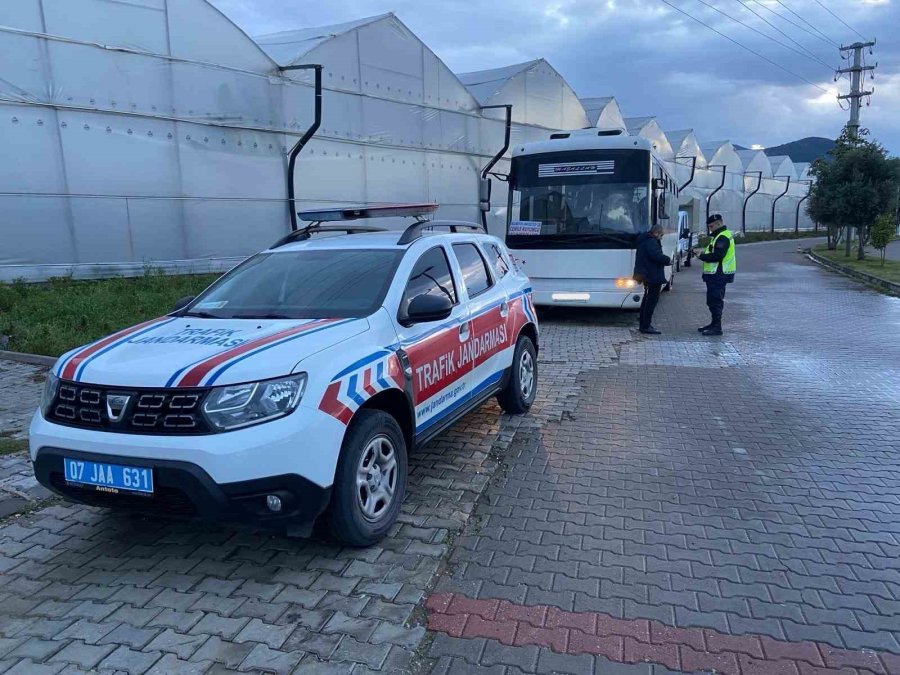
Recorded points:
(136,411)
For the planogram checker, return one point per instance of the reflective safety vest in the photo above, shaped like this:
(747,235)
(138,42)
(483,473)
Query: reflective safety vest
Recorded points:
(729,262)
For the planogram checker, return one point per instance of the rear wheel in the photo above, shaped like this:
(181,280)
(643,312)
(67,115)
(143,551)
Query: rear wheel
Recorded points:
(518,394)
(370,481)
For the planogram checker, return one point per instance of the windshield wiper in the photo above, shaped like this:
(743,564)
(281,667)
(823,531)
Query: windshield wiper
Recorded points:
(201,315)
(261,316)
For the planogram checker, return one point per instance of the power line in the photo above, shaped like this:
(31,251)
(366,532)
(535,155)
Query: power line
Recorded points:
(769,23)
(744,47)
(778,42)
(818,2)
(821,33)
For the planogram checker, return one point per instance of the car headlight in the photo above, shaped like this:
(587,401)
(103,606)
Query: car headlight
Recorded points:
(240,405)
(51,386)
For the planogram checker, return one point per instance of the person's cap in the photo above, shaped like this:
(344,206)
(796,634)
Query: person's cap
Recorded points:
(714,218)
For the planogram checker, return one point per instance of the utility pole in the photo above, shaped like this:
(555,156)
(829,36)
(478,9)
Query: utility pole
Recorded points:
(855,96)
(856,75)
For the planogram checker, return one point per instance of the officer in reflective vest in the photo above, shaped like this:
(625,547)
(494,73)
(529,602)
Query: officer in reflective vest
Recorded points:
(719,267)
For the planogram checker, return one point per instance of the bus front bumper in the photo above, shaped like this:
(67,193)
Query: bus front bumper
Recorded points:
(567,294)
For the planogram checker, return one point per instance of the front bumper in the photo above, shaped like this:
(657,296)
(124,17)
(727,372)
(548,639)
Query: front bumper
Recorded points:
(615,299)
(183,489)
(588,292)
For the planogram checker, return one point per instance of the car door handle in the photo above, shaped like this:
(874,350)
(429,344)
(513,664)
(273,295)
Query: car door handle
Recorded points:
(504,308)
(464,331)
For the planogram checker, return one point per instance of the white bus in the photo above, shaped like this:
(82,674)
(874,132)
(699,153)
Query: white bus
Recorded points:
(577,203)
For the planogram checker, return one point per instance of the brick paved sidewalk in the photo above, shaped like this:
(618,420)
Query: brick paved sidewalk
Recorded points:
(671,504)
(20,393)
(82,589)
(729,505)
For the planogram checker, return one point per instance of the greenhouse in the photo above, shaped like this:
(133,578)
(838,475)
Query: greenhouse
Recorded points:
(159,133)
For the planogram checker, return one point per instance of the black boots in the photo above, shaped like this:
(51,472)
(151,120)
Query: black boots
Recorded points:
(713,329)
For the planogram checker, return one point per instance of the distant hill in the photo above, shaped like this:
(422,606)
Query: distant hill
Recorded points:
(805,150)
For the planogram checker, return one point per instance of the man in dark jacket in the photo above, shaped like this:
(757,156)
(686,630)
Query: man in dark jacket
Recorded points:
(650,268)
(719,267)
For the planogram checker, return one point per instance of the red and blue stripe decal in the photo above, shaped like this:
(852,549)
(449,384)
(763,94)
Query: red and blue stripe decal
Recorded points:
(73,367)
(354,385)
(211,368)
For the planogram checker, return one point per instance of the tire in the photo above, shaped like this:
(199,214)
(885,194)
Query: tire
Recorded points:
(354,516)
(515,398)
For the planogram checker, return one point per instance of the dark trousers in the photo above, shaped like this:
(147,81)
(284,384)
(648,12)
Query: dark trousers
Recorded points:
(715,299)
(648,303)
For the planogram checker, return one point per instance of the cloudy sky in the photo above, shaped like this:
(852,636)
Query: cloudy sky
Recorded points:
(655,60)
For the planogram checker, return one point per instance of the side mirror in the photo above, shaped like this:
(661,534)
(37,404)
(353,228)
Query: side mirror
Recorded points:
(426,308)
(484,194)
(183,302)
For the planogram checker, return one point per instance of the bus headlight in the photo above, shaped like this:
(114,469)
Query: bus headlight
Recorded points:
(625,282)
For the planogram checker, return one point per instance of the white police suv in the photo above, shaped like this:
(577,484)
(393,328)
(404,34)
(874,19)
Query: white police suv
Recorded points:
(295,385)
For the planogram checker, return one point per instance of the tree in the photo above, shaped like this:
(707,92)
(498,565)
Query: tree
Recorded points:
(853,187)
(883,232)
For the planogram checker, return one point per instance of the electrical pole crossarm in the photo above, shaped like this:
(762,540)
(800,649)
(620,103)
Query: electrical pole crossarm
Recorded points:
(854,69)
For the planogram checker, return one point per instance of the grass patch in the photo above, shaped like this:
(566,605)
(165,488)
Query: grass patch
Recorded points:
(871,265)
(51,318)
(755,237)
(9,446)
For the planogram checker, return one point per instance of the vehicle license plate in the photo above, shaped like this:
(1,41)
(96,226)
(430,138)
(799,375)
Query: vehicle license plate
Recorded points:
(109,477)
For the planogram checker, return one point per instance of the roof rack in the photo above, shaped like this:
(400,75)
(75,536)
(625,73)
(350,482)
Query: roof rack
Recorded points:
(376,211)
(416,230)
(306,232)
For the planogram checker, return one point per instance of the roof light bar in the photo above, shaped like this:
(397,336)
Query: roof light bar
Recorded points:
(380,211)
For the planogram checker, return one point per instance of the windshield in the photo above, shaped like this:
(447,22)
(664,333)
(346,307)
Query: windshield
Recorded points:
(583,201)
(301,284)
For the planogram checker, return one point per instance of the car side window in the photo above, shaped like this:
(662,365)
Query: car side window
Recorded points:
(430,276)
(474,270)
(496,257)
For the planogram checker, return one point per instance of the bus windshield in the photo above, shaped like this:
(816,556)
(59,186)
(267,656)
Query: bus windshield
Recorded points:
(582,201)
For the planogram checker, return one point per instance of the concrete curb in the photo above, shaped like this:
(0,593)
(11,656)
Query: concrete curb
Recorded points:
(882,284)
(34,359)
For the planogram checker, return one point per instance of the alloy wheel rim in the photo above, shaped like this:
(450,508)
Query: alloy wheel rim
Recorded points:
(526,374)
(376,478)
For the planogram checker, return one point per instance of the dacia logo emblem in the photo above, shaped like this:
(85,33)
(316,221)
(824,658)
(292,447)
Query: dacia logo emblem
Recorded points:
(116,405)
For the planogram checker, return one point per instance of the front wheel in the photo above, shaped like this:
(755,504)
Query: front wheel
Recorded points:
(370,481)
(518,394)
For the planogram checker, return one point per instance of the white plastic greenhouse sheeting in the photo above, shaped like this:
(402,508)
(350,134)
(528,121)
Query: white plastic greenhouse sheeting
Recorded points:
(156,132)
(539,94)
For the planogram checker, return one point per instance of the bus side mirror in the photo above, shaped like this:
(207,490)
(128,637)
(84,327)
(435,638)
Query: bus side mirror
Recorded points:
(484,194)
